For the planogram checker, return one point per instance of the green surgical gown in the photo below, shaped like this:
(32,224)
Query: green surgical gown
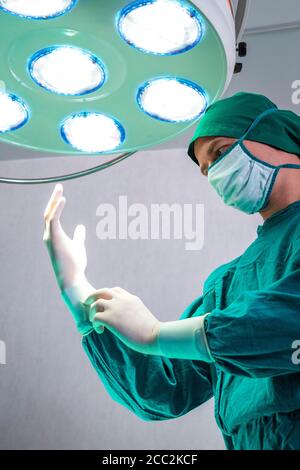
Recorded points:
(254,321)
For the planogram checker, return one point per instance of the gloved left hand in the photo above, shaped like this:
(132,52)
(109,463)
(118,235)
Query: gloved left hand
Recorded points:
(69,260)
(68,255)
(126,316)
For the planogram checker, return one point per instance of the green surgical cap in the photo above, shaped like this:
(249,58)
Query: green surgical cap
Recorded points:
(231,117)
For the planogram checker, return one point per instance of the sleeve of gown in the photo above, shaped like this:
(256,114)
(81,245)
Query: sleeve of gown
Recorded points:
(152,387)
(255,336)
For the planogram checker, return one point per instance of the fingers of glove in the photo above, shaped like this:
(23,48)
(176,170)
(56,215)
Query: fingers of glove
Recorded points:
(79,234)
(118,289)
(97,308)
(52,223)
(104,293)
(57,193)
(58,208)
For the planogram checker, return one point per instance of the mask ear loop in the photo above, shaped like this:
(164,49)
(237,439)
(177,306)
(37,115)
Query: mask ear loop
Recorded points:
(256,121)
(277,168)
(267,195)
(240,140)
(252,126)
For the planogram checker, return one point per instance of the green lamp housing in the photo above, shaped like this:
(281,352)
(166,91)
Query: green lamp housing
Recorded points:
(96,77)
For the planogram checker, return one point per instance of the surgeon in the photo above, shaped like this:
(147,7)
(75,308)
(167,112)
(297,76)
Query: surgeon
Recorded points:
(240,340)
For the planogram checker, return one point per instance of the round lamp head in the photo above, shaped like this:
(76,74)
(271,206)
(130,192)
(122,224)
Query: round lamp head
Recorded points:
(87,77)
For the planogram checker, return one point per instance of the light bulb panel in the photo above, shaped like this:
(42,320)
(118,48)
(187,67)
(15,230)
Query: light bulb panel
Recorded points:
(92,132)
(161,27)
(67,70)
(156,98)
(37,9)
(14,113)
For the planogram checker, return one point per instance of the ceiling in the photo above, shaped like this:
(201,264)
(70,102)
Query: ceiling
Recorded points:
(270,68)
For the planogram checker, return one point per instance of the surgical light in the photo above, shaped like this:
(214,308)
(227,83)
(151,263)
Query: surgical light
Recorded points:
(144,26)
(67,70)
(14,113)
(91,132)
(111,77)
(37,9)
(156,98)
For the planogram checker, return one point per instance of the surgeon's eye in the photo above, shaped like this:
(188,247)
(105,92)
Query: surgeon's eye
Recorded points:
(221,150)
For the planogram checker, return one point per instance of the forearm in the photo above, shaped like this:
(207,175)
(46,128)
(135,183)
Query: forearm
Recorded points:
(152,387)
(78,290)
(128,318)
(73,295)
(182,339)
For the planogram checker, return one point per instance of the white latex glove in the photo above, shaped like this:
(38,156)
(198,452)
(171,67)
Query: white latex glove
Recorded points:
(68,256)
(69,260)
(126,316)
(129,319)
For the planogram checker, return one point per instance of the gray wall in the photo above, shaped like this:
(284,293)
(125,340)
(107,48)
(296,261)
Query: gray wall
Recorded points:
(50,397)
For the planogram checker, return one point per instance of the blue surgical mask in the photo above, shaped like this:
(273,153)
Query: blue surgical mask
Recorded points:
(241,179)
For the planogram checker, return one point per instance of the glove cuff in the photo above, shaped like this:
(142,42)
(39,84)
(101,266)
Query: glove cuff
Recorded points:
(184,339)
(73,297)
